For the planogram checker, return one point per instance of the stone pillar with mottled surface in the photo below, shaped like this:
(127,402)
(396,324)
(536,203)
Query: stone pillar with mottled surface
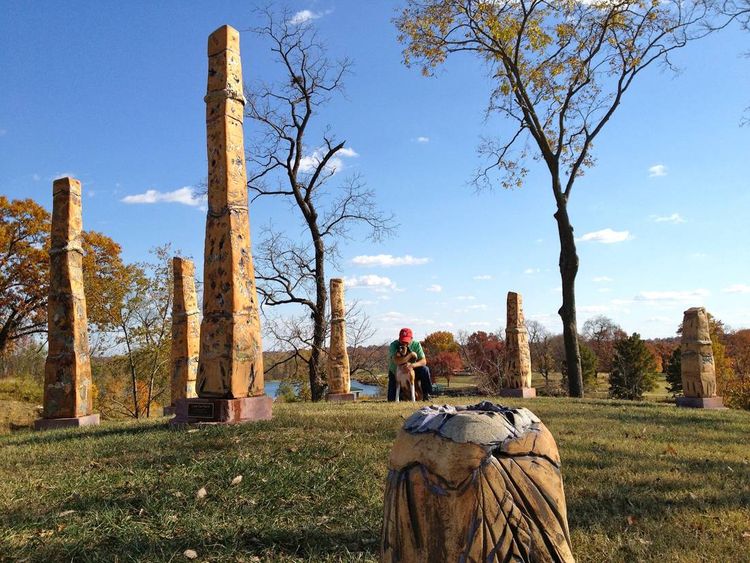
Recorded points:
(68,396)
(518,356)
(185,332)
(476,483)
(697,361)
(339,383)
(230,382)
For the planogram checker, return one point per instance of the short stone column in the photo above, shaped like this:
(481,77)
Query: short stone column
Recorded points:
(185,332)
(230,382)
(476,483)
(697,358)
(518,356)
(339,382)
(68,397)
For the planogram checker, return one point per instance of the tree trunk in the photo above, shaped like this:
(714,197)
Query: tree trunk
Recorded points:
(568,272)
(6,331)
(319,320)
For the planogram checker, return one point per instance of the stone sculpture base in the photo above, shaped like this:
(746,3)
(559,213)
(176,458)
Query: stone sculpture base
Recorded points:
(701,402)
(55,423)
(522,393)
(341,397)
(169,411)
(222,411)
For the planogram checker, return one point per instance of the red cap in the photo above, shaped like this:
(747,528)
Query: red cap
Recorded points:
(405,335)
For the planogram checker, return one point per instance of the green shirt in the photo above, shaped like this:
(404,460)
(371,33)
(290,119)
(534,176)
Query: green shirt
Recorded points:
(414,346)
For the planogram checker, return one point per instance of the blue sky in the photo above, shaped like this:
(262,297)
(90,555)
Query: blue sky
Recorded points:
(112,93)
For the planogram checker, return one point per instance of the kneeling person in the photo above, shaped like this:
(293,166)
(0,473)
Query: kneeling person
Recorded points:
(421,371)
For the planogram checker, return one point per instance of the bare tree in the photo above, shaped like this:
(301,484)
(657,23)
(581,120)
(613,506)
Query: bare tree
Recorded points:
(283,162)
(540,346)
(483,354)
(602,333)
(560,70)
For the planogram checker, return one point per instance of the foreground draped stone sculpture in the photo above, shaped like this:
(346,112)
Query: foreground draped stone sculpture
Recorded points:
(185,332)
(518,357)
(477,483)
(68,399)
(339,382)
(230,383)
(697,358)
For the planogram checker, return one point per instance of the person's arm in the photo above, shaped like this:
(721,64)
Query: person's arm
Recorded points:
(421,358)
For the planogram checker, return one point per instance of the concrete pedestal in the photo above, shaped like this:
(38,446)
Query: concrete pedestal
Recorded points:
(222,411)
(522,393)
(701,402)
(341,397)
(55,423)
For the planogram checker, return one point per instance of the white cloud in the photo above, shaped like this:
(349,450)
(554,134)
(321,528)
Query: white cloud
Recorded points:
(673,296)
(657,170)
(479,323)
(737,288)
(388,260)
(185,196)
(309,163)
(602,279)
(434,288)
(531,271)
(466,298)
(606,236)
(483,277)
(378,283)
(346,151)
(423,139)
(699,255)
(476,307)
(673,218)
(593,308)
(304,16)
(36,177)
(392,317)
(660,320)
(604,289)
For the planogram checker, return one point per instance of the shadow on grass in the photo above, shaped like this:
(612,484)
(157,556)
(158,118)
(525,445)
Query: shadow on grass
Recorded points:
(313,545)
(65,435)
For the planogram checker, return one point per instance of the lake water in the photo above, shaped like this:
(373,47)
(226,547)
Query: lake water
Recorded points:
(364,389)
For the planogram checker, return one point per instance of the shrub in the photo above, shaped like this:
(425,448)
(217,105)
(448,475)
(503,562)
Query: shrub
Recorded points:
(632,369)
(674,372)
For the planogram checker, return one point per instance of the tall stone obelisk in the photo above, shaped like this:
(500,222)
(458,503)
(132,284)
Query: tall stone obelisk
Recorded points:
(339,381)
(230,382)
(185,332)
(68,398)
(518,356)
(697,362)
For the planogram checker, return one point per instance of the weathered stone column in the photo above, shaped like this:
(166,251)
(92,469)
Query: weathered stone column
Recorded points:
(67,372)
(230,382)
(476,483)
(698,371)
(339,383)
(518,357)
(185,332)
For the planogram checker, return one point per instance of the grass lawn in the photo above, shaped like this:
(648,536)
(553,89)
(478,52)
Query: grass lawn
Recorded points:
(644,482)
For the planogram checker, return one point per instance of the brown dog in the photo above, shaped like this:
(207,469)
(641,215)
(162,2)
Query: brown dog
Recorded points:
(405,374)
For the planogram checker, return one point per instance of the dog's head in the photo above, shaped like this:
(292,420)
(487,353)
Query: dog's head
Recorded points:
(403,349)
